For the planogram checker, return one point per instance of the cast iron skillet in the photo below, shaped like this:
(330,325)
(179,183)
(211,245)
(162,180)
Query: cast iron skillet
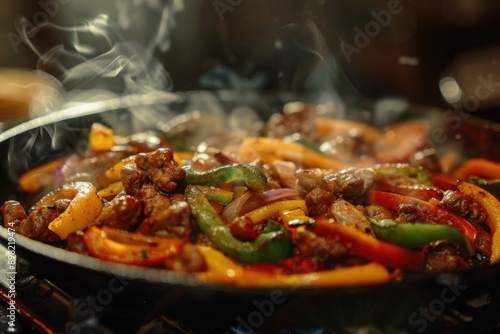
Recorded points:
(60,133)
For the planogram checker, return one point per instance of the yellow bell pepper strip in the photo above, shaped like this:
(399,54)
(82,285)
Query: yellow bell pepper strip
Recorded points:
(84,207)
(114,173)
(271,149)
(417,235)
(435,213)
(111,191)
(365,274)
(490,185)
(492,207)
(39,177)
(253,177)
(273,209)
(479,167)
(111,244)
(101,138)
(223,270)
(270,247)
(368,247)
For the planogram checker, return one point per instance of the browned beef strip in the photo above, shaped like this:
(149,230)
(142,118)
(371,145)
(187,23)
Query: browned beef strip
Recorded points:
(122,212)
(348,215)
(13,214)
(308,179)
(173,222)
(153,201)
(36,225)
(318,201)
(161,168)
(411,213)
(325,250)
(454,202)
(132,178)
(444,257)
(344,184)
(378,212)
(462,206)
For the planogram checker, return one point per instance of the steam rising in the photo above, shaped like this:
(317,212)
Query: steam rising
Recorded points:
(100,58)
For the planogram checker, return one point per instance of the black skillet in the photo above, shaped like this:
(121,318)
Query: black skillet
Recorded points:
(392,306)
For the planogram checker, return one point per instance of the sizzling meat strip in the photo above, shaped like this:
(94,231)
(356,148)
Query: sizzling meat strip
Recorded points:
(122,212)
(161,168)
(13,214)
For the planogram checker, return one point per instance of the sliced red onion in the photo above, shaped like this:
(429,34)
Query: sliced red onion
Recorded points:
(267,197)
(232,210)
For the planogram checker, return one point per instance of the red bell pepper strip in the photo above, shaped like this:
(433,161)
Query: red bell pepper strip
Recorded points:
(130,248)
(366,246)
(436,214)
(445,181)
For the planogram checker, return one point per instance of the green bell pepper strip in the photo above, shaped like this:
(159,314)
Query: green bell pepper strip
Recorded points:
(253,177)
(437,214)
(271,246)
(417,235)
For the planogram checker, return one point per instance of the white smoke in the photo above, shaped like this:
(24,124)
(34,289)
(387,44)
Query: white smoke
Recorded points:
(109,55)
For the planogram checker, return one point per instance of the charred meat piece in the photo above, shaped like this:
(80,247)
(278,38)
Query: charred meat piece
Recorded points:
(348,215)
(153,201)
(36,225)
(132,178)
(460,205)
(172,222)
(444,257)
(308,179)
(310,245)
(285,171)
(13,214)
(123,212)
(318,201)
(378,212)
(410,213)
(161,168)
(349,183)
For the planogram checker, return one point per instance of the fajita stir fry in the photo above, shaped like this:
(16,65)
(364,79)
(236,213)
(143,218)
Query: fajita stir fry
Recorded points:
(304,201)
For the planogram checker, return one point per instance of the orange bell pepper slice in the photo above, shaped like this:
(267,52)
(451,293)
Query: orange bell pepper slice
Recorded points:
(478,167)
(39,177)
(130,248)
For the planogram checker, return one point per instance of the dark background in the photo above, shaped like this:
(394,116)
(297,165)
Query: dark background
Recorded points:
(294,45)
